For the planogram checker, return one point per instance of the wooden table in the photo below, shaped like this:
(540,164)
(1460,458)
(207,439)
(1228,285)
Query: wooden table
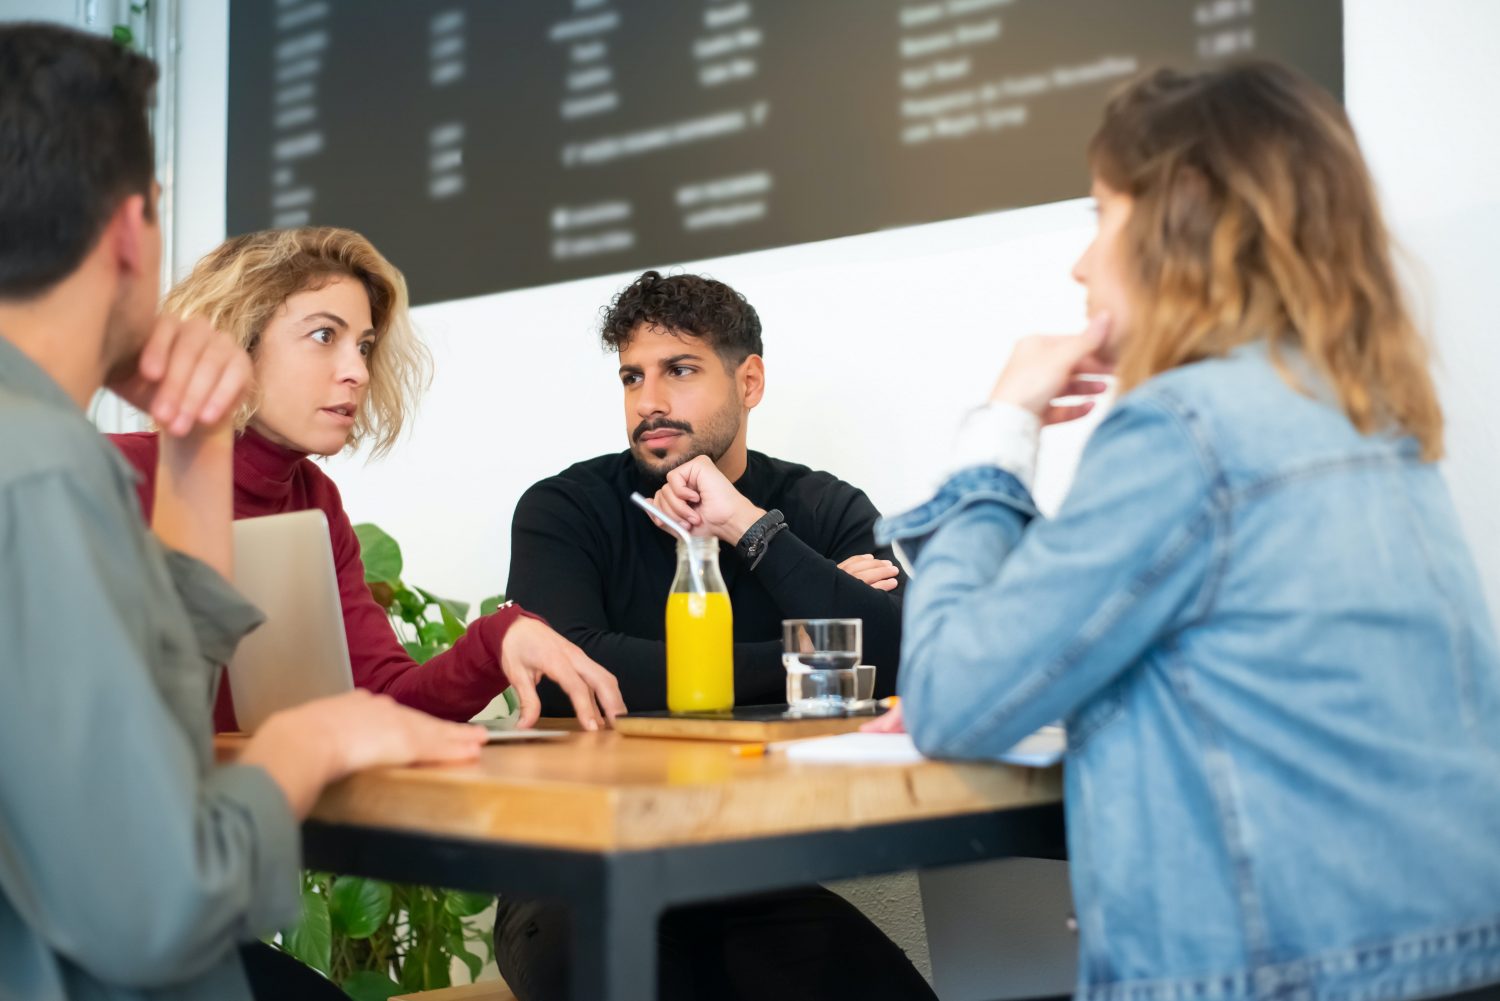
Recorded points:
(623,828)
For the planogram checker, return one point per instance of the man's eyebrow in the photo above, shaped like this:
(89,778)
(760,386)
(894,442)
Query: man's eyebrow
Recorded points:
(678,359)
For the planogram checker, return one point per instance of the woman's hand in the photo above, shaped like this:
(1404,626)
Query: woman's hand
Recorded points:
(1044,367)
(532,650)
(889,721)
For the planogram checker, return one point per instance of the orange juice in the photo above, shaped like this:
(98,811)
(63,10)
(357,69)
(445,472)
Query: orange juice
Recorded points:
(700,652)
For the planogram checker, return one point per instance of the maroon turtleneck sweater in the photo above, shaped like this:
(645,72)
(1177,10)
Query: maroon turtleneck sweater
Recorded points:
(269,479)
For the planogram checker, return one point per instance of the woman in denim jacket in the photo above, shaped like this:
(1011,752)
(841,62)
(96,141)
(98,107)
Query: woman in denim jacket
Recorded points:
(1255,610)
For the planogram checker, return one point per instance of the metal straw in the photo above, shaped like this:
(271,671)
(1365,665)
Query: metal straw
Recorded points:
(694,571)
(662,516)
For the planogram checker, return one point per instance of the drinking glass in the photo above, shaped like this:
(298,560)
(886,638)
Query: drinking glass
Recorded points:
(820,656)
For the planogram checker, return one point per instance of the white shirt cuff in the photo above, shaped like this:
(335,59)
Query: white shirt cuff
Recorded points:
(996,434)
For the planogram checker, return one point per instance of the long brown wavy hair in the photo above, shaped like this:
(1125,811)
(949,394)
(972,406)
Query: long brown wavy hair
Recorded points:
(1254,217)
(241,284)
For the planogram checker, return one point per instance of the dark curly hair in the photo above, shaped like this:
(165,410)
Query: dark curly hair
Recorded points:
(688,303)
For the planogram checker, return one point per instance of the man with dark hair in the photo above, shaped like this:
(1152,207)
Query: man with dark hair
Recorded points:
(688,304)
(795,544)
(73,143)
(131,865)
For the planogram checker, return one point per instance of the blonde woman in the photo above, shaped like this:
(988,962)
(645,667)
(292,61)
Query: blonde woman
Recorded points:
(324,318)
(1255,610)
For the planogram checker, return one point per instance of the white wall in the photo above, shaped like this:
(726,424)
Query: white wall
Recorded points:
(1421,81)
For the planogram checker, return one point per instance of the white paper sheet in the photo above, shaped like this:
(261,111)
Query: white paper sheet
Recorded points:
(856,749)
(1041,749)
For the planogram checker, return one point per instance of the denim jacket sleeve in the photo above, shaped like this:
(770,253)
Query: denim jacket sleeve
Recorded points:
(1014,620)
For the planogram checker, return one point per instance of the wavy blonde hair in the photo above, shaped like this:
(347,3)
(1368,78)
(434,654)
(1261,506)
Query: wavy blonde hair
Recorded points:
(1254,217)
(240,286)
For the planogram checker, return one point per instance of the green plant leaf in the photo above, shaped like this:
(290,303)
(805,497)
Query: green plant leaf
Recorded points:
(433,634)
(381,555)
(124,35)
(423,652)
(453,613)
(367,985)
(427,966)
(412,606)
(310,940)
(357,906)
(488,605)
(459,949)
(453,626)
(465,905)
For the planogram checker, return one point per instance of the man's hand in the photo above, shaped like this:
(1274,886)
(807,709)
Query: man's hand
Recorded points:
(189,377)
(308,746)
(532,649)
(706,503)
(879,574)
(372,730)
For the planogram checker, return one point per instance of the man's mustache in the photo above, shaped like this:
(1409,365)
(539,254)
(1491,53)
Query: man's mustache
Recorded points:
(645,427)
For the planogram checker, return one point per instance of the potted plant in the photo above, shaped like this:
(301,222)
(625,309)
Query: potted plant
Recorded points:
(376,939)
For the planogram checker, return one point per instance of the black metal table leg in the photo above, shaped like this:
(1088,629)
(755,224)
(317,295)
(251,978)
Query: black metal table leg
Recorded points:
(615,935)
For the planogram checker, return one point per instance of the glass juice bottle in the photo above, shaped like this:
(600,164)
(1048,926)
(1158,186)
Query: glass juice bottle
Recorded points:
(700,632)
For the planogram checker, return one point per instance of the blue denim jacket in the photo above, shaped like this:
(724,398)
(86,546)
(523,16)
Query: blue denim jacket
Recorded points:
(1280,682)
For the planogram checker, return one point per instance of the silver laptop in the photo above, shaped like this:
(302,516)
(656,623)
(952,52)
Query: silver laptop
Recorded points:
(283,564)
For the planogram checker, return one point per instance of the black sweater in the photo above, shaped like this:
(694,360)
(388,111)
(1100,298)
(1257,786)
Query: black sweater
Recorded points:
(598,570)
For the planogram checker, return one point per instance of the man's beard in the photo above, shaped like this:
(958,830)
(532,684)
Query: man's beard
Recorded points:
(718,434)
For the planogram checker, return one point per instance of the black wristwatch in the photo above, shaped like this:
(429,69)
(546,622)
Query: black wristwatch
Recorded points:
(752,545)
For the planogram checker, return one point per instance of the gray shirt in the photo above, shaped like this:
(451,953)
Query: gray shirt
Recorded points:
(130,865)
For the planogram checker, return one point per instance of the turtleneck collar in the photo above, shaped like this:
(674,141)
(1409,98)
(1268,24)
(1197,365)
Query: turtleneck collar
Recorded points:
(264,470)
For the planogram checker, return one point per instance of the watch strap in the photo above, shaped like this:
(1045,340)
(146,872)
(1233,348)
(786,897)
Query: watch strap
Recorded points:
(752,545)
